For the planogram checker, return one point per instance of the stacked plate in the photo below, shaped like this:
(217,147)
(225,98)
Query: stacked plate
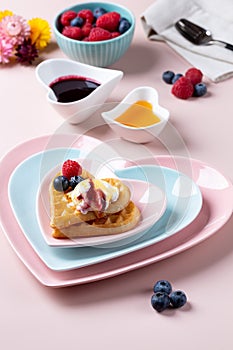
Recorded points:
(183,201)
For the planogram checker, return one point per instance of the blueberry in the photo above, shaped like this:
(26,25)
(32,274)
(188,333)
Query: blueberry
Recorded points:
(199,90)
(74,181)
(99,11)
(176,77)
(61,183)
(77,22)
(163,286)
(168,76)
(160,301)
(124,25)
(178,298)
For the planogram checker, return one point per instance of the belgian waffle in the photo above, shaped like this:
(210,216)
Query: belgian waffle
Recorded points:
(68,222)
(110,224)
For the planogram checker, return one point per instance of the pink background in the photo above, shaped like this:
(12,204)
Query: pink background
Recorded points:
(116,313)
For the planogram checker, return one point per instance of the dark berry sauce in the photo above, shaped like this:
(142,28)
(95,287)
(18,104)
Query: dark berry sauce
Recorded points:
(72,88)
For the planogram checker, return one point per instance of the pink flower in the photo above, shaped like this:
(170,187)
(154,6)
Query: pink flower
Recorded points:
(15,28)
(6,50)
(26,52)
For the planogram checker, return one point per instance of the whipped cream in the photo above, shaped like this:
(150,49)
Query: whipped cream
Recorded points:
(93,195)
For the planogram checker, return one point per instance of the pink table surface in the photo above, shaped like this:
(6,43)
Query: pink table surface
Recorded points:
(116,313)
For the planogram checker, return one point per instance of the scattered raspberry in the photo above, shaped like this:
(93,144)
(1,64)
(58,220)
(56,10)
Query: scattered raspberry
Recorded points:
(188,85)
(66,17)
(71,168)
(115,34)
(86,29)
(109,21)
(73,32)
(183,88)
(87,15)
(195,75)
(99,34)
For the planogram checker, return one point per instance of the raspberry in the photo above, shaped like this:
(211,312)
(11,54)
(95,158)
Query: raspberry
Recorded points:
(109,21)
(87,15)
(99,34)
(66,17)
(71,168)
(86,29)
(73,32)
(195,75)
(115,34)
(183,88)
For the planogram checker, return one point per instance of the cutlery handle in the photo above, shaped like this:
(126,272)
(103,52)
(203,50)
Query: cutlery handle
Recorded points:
(223,44)
(229,46)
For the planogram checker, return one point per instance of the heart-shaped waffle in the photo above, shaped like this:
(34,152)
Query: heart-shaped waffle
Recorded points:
(68,222)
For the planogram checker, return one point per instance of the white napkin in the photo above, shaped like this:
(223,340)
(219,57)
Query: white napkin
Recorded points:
(217,15)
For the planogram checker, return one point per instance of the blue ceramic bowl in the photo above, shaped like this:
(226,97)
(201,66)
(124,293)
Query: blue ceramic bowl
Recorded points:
(98,53)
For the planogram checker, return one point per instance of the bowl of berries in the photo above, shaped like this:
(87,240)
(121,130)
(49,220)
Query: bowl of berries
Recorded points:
(94,33)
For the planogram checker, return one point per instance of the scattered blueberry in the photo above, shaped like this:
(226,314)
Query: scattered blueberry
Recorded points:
(176,77)
(164,298)
(160,301)
(77,22)
(199,90)
(168,76)
(163,286)
(98,11)
(178,298)
(74,181)
(61,183)
(124,25)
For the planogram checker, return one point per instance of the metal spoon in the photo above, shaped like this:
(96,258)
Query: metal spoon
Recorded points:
(198,35)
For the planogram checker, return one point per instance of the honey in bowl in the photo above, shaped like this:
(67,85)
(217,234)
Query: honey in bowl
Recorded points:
(140,114)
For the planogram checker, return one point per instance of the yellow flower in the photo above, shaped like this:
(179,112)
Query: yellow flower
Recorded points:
(40,32)
(5,13)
